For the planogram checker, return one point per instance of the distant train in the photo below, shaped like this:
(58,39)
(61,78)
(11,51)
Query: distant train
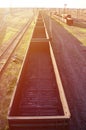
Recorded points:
(66,18)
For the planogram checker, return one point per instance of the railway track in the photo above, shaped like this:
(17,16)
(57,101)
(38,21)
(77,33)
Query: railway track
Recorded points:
(10,48)
(39,101)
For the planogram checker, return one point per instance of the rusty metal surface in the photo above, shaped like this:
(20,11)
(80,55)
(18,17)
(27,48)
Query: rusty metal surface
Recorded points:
(39,89)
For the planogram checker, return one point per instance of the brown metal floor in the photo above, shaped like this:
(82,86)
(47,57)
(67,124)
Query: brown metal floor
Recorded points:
(40,96)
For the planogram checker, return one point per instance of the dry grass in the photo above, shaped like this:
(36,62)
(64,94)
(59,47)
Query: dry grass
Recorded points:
(9,78)
(11,23)
(78,32)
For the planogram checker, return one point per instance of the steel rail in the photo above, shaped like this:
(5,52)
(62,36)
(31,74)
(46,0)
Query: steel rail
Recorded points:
(8,52)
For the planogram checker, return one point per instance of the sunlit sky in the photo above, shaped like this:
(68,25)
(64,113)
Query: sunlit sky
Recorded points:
(43,3)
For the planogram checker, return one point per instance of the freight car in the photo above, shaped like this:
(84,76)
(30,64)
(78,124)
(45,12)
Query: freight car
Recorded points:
(39,102)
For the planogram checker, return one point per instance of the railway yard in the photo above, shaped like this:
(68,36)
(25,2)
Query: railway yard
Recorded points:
(42,69)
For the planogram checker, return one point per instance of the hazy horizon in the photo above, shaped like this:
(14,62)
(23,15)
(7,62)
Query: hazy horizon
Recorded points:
(44,4)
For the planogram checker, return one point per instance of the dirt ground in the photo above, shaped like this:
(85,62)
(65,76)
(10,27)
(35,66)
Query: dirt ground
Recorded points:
(71,60)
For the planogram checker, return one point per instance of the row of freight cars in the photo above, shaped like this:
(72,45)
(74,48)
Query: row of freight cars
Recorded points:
(66,18)
(39,102)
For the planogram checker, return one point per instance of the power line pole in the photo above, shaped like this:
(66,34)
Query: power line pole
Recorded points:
(65,5)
